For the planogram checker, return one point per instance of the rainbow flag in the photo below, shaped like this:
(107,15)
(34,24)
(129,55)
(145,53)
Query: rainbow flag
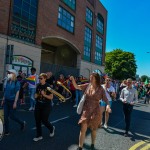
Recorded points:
(31,80)
(84,80)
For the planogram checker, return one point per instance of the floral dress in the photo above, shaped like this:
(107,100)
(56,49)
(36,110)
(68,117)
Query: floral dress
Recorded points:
(91,114)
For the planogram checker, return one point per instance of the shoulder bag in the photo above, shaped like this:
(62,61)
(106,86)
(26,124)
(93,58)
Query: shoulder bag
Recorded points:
(81,103)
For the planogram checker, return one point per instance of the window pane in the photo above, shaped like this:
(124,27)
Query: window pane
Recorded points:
(70,3)
(24,20)
(65,20)
(89,16)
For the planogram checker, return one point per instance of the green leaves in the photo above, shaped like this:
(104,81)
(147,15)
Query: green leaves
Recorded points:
(120,64)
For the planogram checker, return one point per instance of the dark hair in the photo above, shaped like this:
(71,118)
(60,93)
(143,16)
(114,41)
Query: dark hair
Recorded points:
(33,69)
(97,78)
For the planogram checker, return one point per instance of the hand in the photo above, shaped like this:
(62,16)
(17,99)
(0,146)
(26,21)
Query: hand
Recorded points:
(132,103)
(43,93)
(15,105)
(108,109)
(2,103)
(71,78)
(124,101)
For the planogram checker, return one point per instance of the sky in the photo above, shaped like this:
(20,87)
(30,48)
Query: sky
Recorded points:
(128,28)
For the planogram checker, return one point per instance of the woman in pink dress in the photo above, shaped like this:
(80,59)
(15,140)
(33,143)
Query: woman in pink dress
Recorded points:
(91,113)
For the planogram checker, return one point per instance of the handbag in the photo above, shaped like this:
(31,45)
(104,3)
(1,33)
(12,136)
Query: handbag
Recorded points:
(81,103)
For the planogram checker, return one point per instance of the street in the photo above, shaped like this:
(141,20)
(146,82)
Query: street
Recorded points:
(65,119)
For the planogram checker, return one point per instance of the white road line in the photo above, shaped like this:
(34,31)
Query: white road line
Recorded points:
(54,121)
(118,123)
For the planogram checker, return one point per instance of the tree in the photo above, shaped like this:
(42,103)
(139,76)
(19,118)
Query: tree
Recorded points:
(144,77)
(120,64)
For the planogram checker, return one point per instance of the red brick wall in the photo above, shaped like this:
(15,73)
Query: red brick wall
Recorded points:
(47,22)
(4,15)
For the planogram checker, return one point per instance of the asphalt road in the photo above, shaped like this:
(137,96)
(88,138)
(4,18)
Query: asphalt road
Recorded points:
(65,119)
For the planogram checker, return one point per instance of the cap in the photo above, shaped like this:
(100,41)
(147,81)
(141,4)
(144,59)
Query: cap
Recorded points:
(13,71)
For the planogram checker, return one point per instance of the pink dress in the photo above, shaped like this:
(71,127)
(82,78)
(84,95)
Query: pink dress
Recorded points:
(91,114)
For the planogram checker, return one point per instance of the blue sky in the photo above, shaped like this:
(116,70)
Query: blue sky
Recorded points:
(128,28)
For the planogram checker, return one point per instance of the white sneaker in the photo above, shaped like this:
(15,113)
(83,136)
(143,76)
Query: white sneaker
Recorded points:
(37,138)
(105,126)
(30,109)
(75,106)
(52,134)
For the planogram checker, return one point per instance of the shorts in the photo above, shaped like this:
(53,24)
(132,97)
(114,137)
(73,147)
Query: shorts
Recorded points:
(103,104)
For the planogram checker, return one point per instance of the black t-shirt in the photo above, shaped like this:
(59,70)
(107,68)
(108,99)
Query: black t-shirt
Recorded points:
(51,80)
(41,98)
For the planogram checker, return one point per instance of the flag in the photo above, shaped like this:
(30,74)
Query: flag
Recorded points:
(31,80)
(146,82)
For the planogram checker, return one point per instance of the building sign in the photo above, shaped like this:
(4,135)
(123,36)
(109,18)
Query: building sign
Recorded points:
(22,60)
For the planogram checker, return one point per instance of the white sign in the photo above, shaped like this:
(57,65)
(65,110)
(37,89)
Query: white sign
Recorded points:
(21,60)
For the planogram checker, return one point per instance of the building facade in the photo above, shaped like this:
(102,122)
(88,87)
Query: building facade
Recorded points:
(62,36)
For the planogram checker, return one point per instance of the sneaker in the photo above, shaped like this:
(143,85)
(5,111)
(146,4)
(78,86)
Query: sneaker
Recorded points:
(30,109)
(79,148)
(75,106)
(37,138)
(52,134)
(23,126)
(92,146)
(105,126)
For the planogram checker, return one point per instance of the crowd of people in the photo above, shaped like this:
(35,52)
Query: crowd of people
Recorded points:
(98,99)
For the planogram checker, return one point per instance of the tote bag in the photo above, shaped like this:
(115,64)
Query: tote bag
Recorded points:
(81,103)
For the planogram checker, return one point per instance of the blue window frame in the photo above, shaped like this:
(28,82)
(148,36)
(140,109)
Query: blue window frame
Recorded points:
(89,16)
(24,20)
(100,24)
(87,44)
(98,50)
(66,20)
(70,3)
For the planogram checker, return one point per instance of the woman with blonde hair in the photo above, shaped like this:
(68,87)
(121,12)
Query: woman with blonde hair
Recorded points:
(10,99)
(91,113)
(43,107)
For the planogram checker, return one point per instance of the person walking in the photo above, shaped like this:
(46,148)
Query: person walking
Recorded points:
(9,101)
(43,107)
(32,88)
(110,93)
(91,113)
(129,97)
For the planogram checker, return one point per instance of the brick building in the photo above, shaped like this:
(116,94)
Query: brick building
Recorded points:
(64,36)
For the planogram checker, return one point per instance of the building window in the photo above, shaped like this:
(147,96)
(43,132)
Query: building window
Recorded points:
(65,20)
(87,43)
(70,3)
(89,16)
(24,20)
(98,50)
(100,24)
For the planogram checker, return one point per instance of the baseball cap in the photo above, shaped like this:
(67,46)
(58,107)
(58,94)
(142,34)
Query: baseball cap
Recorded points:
(13,71)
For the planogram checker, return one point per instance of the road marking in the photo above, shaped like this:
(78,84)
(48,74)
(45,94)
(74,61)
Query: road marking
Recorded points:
(134,147)
(54,121)
(147,147)
(118,123)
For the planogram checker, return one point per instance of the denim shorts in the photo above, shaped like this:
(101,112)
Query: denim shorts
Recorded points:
(103,104)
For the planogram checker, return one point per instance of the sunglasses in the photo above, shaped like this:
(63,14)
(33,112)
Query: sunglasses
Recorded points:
(40,78)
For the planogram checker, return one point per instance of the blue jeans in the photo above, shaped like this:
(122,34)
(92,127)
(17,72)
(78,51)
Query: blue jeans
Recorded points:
(9,112)
(78,96)
(32,97)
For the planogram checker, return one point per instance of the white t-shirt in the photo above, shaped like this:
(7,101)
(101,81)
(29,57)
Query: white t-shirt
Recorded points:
(110,89)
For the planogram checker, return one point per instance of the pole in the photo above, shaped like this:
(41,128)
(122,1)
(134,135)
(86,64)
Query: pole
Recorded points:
(7,39)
